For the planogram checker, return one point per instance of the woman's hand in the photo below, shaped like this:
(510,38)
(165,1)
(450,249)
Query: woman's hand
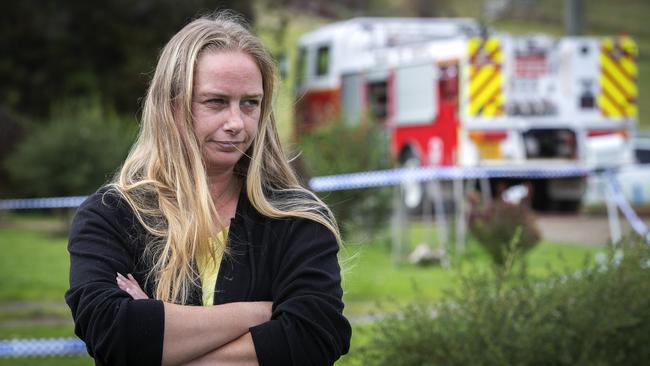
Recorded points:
(234,344)
(131,286)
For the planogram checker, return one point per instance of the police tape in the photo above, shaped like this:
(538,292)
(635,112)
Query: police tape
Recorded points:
(37,203)
(44,347)
(391,177)
(621,202)
(379,178)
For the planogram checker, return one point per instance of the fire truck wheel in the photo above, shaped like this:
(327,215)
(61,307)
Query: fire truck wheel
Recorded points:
(412,190)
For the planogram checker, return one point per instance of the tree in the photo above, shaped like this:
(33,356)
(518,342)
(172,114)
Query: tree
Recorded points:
(76,151)
(58,49)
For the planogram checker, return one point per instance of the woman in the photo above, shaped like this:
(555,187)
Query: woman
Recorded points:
(206,211)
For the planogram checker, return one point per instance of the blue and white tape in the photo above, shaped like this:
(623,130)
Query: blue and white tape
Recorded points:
(391,177)
(44,347)
(35,203)
(630,215)
(380,178)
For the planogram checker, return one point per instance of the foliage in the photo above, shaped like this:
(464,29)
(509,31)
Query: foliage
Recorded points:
(597,316)
(338,149)
(501,227)
(75,152)
(59,49)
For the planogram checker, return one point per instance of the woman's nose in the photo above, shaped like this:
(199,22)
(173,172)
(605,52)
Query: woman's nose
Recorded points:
(234,123)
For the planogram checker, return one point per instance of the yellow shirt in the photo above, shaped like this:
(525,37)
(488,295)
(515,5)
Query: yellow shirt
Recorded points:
(209,270)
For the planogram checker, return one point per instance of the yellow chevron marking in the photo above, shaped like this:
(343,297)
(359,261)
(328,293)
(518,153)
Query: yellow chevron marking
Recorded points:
(628,87)
(612,90)
(487,92)
(480,77)
(631,110)
(629,45)
(474,45)
(491,45)
(493,109)
(498,57)
(607,44)
(609,109)
(629,66)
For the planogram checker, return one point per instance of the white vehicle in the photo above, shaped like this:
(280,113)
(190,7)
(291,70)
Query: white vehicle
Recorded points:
(452,94)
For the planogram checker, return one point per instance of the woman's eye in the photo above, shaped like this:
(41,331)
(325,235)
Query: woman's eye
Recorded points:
(215,102)
(251,102)
(218,101)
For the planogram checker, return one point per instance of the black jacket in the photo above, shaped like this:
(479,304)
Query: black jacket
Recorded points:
(292,262)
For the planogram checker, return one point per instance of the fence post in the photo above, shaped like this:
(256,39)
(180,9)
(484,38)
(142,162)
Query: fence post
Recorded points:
(612,211)
(397,224)
(459,205)
(434,192)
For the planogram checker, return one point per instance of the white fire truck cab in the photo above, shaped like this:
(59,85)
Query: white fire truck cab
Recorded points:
(450,93)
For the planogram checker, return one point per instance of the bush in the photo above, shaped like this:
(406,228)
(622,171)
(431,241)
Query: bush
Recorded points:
(75,152)
(599,316)
(338,149)
(496,225)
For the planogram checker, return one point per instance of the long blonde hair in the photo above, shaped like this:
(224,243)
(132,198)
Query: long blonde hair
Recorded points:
(164,180)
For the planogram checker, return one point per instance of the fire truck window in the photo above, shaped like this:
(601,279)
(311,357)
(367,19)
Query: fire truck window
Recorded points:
(378,100)
(301,68)
(351,95)
(322,59)
(416,98)
(448,83)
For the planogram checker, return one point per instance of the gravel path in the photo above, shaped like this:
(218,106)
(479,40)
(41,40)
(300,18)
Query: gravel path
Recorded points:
(579,229)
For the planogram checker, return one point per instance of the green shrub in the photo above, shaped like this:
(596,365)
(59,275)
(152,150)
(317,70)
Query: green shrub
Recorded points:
(339,149)
(75,152)
(496,225)
(598,316)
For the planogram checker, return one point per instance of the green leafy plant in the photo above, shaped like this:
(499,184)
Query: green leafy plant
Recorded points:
(596,316)
(338,149)
(76,151)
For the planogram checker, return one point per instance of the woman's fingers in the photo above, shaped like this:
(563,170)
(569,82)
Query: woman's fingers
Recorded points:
(131,286)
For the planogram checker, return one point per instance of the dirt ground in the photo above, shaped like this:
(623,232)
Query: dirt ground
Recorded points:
(580,228)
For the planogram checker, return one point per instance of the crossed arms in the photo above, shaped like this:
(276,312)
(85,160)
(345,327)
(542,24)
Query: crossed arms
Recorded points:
(190,337)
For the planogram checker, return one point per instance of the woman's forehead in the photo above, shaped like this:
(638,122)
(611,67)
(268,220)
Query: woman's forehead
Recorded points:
(224,71)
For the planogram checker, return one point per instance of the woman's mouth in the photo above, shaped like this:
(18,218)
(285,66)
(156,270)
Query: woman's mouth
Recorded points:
(227,146)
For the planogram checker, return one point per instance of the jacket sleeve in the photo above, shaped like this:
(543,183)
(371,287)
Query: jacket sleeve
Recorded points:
(307,325)
(117,330)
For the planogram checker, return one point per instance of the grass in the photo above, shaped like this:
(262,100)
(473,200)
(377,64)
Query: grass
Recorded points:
(48,361)
(34,268)
(371,278)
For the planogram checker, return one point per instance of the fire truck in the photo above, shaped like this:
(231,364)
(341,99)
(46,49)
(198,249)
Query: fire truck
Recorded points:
(453,93)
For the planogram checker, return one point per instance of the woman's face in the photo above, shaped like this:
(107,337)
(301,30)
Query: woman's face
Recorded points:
(227,98)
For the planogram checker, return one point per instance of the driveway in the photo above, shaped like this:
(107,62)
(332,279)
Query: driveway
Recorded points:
(580,228)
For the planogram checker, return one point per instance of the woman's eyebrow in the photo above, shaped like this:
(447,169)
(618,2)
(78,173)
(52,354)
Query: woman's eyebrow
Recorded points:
(212,95)
(226,95)
(257,95)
